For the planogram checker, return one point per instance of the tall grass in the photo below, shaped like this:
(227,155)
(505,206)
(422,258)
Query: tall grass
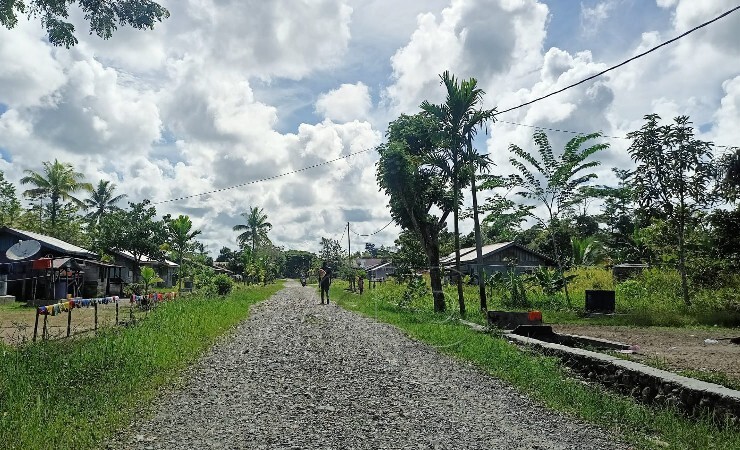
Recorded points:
(653,298)
(75,394)
(541,377)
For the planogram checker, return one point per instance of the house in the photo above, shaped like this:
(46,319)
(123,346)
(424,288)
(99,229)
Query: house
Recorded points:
(167,270)
(381,271)
(57,269)
(500,257)
(366,263)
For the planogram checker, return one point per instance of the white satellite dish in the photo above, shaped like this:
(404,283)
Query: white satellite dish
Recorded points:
(23,250)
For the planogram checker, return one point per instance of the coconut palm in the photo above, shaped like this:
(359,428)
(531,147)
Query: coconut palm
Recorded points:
(58,182)
(102,201)
(256,228)
(460,117)
(180,234)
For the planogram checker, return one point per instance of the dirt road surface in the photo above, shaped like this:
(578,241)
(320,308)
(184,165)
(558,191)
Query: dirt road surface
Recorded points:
(300,375)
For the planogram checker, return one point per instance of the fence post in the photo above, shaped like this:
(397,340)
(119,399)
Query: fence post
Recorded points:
(96,314)
(116,313)
(36,325)
(69,321)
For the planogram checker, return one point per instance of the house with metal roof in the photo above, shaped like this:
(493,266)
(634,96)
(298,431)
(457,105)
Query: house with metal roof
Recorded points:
(55,270)
(166,269)
(500,257)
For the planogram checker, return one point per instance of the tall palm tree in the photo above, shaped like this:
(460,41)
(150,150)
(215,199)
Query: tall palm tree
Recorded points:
(57,182)
(460,117)
(256,228)
(180,234)
(102,201)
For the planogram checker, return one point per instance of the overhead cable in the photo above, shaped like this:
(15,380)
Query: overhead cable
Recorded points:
(727,13)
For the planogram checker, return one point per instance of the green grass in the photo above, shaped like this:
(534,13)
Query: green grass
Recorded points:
(541,377)
(75,394)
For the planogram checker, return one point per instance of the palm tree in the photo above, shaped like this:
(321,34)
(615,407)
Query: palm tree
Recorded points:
(102,200)
(459,117)
(180,234)
(256,228)
(57,182)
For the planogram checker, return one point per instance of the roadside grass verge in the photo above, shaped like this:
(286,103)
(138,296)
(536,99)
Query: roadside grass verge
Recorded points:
(542,377)
(77,393)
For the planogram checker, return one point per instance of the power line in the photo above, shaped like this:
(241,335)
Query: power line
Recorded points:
(622,63)
(537,127)
(374,232)
(263,179)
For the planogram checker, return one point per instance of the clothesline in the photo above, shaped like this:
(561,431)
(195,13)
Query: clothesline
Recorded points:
(58,308)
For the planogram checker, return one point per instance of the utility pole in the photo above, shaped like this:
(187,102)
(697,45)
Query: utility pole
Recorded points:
(349,249)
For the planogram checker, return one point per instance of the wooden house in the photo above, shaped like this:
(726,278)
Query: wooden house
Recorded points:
(56,270)
(166,269)
(500,257)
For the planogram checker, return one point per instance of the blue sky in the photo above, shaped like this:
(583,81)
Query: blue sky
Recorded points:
(218,97)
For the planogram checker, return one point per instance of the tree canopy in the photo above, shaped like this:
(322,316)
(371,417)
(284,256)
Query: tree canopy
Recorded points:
(104,17)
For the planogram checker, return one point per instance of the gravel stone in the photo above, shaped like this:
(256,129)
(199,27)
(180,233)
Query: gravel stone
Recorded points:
(300,375)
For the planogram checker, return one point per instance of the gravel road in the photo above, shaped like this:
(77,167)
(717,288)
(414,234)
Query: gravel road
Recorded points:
(301,375)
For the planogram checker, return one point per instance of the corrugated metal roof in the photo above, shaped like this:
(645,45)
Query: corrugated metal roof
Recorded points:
(53,243)
(468,255)
(145,259)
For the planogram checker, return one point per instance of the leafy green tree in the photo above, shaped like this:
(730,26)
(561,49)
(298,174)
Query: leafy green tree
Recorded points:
(57,182)
(180,236)
(460,116)
(102,201)
(10,206)
(553,182)
(256,228)
(135,230)
(330,250)
(673,176)
(587,251)
(104,16)
(298,262)
(407,173)
(503,217)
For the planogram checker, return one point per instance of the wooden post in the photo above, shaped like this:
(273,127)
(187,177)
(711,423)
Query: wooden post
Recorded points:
(44,331)
(117,313)
(96,314)
(69,321)
(36,326)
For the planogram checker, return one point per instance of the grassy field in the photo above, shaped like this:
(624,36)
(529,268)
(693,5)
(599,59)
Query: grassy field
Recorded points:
(651,299)
(540,377)
(75,393)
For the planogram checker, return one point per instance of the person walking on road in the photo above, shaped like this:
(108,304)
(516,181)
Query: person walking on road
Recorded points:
(325,275)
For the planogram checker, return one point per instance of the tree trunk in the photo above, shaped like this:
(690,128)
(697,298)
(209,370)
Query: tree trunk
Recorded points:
(559,262)
(478,248)
(431,248)
(456,194)
(682,258)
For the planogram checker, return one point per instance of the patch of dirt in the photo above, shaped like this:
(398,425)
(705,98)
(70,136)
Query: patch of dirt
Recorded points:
(676,348)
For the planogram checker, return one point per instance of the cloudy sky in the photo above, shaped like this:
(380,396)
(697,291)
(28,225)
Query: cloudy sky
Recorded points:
(230,91)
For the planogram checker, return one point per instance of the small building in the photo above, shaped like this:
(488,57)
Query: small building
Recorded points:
(500,257)
(56,270)
(166,269)
(366,263)
(381,271)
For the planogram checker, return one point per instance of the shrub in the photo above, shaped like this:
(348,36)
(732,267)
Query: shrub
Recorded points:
(222,284)
(416,289)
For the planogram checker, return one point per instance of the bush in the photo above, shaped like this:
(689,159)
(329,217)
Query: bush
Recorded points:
(416,289)
(222,284)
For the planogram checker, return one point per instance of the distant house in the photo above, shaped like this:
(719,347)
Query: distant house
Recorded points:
(167,270)
(366,263)
(56,270)
(381,271)
(500,257)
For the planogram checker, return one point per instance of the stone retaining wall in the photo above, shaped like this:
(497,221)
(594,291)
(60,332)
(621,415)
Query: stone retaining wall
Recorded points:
(646,384)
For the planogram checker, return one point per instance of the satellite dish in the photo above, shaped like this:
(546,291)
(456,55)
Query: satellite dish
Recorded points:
(23,250)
